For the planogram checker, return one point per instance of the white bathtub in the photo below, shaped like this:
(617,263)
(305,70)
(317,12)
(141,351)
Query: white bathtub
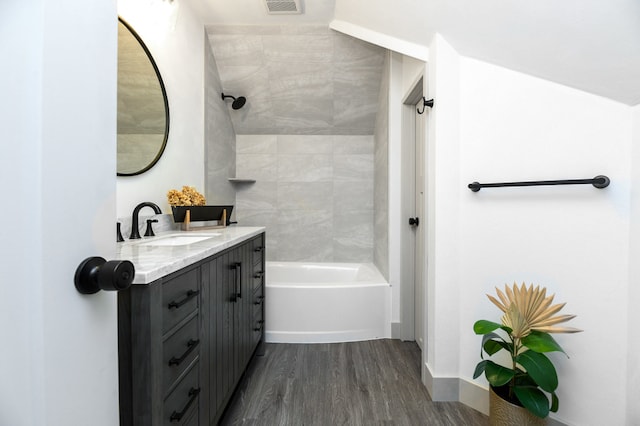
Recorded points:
(326,303)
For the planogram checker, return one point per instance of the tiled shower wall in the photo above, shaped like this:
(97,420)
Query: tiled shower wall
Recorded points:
(220,138)
(298,79)
(314,194)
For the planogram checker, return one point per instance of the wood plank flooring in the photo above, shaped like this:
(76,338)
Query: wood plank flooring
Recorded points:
(362,383)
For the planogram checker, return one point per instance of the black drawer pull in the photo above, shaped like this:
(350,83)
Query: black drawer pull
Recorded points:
(258,249)
(259,300)
(193,394)
(190,295)
(259,274)
(259,327)
(191,344)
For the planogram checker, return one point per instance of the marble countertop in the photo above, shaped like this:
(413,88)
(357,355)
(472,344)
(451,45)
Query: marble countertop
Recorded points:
(153,260)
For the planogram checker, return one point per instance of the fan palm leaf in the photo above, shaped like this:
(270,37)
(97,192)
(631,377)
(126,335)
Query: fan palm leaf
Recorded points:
(526,309)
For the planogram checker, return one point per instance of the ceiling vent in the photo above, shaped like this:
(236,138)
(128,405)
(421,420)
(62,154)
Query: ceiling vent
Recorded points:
(283,7)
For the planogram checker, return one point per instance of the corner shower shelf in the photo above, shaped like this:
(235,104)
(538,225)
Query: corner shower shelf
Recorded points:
(240,180)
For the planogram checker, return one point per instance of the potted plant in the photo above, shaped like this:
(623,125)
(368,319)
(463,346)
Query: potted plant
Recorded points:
(525,380)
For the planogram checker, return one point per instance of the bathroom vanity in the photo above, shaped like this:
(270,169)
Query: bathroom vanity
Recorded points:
(189,325)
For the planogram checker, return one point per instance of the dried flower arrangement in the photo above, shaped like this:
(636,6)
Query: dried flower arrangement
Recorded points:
(189,196)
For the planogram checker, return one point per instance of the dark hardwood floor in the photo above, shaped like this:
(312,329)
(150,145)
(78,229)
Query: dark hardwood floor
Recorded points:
(363,383)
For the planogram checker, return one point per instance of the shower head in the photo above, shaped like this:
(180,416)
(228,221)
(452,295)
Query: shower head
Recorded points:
(237,102)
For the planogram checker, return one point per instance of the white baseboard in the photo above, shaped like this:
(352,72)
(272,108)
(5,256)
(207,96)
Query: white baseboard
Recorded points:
(323,336)
(474,396)
(440,388)
(396,330)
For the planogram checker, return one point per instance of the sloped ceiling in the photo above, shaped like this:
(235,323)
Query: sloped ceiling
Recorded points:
(591,45)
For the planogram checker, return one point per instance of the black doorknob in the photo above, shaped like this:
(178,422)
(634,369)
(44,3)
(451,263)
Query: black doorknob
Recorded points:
(95,274)
(414,221)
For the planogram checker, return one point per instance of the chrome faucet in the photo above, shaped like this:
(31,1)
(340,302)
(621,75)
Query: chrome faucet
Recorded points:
(135,233)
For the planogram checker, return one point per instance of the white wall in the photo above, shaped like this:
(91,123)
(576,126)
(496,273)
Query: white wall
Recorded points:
(572,239)
(633,367)
(412,69)
(443,214)
(175,38)
(492,124)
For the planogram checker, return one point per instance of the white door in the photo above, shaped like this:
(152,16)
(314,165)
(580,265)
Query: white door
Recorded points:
(58,361)
(420,226)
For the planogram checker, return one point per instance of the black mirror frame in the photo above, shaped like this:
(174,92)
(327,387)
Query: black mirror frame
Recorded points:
(164,97)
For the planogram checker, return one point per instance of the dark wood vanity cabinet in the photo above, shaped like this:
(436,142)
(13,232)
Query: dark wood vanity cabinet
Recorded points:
(159,347)
(185,340)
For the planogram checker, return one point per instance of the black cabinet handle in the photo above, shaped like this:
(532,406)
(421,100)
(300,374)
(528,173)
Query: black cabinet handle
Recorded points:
(258,274)
(259,327)
(237,281)
(259,300)
(190,295)
(191,345)
(258,249)
(177,416)
(238,267)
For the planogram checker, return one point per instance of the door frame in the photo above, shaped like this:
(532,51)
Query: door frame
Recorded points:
(407,236)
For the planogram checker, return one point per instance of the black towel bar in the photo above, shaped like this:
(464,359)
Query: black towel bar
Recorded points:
(599,181)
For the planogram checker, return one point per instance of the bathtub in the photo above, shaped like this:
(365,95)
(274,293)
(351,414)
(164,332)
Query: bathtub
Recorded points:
(326,303)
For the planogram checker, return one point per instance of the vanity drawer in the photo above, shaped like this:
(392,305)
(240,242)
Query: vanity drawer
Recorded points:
(257,327)
(179,407)
(193,420)
(178,352)
(257,315)
(257,249)
(257,302)
(180,297)
(257,278)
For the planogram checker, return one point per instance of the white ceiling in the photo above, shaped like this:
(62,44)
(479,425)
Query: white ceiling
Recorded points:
(592,45)
(254,12)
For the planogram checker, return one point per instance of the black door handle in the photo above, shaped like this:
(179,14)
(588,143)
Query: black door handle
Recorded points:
(95,274)
(414,221)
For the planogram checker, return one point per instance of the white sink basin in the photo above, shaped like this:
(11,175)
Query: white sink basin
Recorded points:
(179,240)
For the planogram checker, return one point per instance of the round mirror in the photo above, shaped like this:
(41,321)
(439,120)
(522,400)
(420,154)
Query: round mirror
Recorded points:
(143,109)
